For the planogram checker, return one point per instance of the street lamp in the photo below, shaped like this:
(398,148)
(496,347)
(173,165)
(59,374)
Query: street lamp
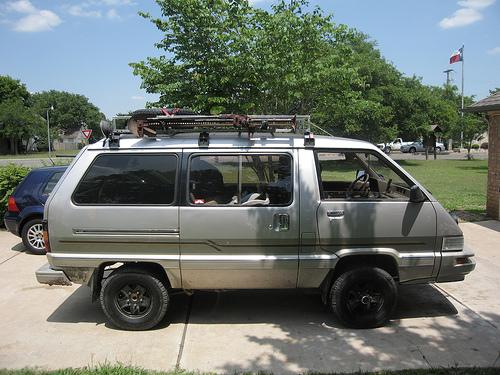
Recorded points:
(48,127)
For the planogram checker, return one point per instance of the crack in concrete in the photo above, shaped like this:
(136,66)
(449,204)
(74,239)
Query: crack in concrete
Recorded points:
(6,260)
(496,360)
(184,332)
(464,305)
(423,356)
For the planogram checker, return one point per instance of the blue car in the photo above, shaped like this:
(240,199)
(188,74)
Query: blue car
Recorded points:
(25,206)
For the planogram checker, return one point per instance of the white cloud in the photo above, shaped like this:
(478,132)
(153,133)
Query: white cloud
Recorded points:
(461,17)
(21,6)
(469,13)
(112,14)
(41,20)
(494,51)
(33,19)
(478,4)
(117,2)
(98,8)
(81,11)
(138,97)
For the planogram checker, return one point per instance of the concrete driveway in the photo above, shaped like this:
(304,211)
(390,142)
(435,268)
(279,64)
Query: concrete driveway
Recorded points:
(442,325)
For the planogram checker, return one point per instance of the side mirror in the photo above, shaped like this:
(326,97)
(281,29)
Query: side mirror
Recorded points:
(416,195)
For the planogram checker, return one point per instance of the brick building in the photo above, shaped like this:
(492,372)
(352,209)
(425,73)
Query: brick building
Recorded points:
(491,106)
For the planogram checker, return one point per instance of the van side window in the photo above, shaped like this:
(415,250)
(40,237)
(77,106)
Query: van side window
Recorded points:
(241,180)
(360,175)
(128,180)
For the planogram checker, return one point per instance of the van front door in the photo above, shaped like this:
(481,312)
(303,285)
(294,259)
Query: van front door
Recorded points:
(239,224)
(365,209)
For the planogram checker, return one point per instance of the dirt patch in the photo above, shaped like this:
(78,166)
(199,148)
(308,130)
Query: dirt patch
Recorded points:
(465,216)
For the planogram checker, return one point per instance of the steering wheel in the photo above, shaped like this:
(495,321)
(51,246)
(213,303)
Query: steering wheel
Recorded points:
(363,190)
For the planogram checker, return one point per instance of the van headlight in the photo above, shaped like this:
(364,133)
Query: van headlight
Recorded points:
(453,243)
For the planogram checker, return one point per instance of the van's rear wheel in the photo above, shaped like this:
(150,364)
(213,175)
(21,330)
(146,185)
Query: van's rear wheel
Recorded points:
(364,297)
(133,300)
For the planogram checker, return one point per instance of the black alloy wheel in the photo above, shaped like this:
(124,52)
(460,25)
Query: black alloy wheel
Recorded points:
(134,300)
(364,297)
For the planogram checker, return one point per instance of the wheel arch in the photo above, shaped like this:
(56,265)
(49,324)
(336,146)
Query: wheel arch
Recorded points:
(388,262)
(27,217)
(151,268)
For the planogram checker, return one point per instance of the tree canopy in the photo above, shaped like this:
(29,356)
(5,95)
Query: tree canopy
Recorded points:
(13,89)
(17,119)
(71,111)
(226,56)
(23,115)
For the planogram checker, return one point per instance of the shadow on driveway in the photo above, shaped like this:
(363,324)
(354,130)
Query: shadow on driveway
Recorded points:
(256,306)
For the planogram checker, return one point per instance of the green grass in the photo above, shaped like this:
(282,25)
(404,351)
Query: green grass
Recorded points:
(40,155)
(460,185)
(121,370)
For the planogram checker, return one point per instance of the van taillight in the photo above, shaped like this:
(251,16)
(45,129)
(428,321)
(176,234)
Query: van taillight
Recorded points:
(45,229)
(11,205)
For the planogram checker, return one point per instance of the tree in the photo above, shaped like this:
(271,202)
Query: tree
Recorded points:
(13,89)
(70,113)
(472,126)
(226,56)
(18,122)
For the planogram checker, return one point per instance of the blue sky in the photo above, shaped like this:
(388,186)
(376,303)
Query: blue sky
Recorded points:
(84,46)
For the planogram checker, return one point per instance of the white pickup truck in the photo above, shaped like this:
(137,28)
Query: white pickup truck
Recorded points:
(391,146)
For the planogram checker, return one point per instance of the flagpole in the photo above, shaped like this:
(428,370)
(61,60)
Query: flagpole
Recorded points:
(462,111)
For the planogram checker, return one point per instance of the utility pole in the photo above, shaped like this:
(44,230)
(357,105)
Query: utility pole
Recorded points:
(462,132)
(51,108)
(448,76)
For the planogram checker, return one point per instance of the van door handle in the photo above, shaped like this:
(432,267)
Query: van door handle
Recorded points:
(281,223)
(335,214)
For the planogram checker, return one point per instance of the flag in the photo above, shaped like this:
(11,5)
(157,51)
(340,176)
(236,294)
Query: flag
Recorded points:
(457,56)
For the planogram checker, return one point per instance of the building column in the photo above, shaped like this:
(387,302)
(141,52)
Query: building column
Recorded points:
(493,190)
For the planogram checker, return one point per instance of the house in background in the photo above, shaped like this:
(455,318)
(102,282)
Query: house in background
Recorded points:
(69,141)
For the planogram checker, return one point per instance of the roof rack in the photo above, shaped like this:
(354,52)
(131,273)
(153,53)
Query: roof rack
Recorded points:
(161,122)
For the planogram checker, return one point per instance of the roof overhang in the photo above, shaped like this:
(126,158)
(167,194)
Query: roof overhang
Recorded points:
(483,108)
(489,104)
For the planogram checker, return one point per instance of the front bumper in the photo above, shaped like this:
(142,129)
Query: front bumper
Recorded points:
(455,265)
(46,275)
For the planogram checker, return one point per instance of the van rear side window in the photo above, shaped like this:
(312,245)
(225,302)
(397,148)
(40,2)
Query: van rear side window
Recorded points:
(128,180)
(241,180)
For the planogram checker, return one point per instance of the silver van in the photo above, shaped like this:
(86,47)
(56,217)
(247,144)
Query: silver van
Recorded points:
(136,217)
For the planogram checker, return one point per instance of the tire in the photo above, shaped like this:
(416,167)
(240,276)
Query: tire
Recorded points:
(32,236)
(388,150)
(143,114)
(131,312)
(438,149)
(412,150)
(363,297)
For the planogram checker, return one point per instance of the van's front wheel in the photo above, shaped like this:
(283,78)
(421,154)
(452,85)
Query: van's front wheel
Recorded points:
(133,300)
(364,297)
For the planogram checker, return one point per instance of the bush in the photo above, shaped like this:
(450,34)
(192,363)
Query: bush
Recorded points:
(484,145)
(10,177)
(475,146)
